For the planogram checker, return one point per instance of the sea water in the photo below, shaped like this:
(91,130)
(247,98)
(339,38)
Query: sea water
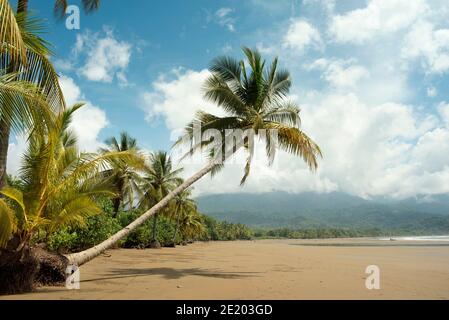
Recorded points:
(417,238)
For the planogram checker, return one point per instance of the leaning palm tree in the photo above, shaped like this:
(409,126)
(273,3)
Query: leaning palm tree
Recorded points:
(160,179)
(124,175)
(254,97)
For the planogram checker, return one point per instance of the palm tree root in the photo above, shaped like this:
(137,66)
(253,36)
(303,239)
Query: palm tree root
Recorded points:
(23,271)
(154,244)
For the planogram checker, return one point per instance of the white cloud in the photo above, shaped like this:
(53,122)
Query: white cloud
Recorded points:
(107,58)
(340,73)
(224,18)
(177,96)
(88,121)
(15,152)
(379,17)
(63,65)
(368,150)
(371,150)
(72,93)
(443,109)
(376,138)
(429,44)
(301,35)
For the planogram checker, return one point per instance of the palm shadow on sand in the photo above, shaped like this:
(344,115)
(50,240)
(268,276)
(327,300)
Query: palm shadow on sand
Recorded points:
(170,273)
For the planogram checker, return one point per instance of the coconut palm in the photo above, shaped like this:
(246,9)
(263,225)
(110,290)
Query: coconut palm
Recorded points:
(192,226)
(59,185)
(181,206)
(124,175)
(88,5)
(254,96)
(33,67)
(160,178)
(10,35)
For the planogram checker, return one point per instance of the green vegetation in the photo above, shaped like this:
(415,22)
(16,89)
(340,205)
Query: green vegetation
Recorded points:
(100,227)
(340,211)
(320,233)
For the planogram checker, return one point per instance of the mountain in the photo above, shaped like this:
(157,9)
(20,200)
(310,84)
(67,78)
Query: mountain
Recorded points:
(333,210)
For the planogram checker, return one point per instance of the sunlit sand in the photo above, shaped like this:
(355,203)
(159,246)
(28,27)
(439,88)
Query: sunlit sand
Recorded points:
(266,269)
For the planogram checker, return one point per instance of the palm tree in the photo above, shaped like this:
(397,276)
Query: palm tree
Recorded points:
(192,226)
(59,185)
(88,5)
(253,97)
(10,33)
(182,206)
(33,67)
(27,54)
(124,175)
(160,178)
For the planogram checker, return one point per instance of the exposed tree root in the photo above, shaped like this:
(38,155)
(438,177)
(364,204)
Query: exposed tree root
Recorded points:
(22,271)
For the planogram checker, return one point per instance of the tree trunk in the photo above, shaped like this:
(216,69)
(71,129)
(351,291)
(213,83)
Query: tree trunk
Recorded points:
(5,126)
(176,229)
(116,204)
(82,257)
(154,226)
(4,144)
(22,6)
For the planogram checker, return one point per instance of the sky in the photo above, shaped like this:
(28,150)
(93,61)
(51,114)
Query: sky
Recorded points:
(371,79)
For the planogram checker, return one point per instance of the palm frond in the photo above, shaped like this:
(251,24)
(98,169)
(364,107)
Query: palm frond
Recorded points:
(10,35)
(298,143)
(8,223)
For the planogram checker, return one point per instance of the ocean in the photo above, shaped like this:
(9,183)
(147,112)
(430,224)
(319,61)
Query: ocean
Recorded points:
(416,238)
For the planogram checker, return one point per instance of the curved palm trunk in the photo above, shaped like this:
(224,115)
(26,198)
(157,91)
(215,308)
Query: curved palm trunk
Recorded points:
(87,255)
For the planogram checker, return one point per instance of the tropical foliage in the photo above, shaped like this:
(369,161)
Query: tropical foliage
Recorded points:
(160,178)
(59,184)
(124,175)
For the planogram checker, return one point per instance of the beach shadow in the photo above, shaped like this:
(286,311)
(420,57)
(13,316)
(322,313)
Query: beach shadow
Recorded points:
(170,273)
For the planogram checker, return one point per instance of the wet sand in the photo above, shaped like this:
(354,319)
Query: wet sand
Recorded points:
(265,269)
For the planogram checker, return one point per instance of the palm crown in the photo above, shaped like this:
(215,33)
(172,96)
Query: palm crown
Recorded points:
(88,5)
(124,175)
(160,179)
(254,97)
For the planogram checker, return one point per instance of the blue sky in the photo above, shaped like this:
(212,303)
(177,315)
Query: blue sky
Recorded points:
(370,76)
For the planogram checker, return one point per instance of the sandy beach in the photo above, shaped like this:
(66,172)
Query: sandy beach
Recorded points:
(264,269)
